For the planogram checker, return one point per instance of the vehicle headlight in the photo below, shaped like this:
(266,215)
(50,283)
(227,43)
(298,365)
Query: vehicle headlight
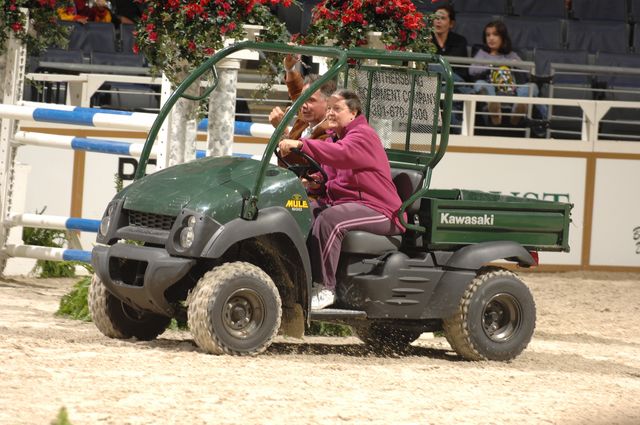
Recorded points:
(187,234)
(106,220)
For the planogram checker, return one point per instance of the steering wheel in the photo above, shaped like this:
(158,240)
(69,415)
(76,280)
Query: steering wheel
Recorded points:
(304,171)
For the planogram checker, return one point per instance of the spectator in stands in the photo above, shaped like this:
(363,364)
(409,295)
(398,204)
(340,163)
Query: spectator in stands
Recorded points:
(449,43)
(127,11)
(84,12)
(500,80)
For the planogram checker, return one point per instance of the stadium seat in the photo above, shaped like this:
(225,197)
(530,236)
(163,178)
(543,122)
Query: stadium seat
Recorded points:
(593,36)
(100,37)
(543,59)
(634,11)
(64,56)
(636,38)
(127,39)
(612,10)
(530,33)
(498,7)
(127,96)
(575,84)
(471,26)
(76,35)
(620,123)
(537,8)
(428,7)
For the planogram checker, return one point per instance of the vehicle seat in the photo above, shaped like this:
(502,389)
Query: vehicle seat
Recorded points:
(407,183)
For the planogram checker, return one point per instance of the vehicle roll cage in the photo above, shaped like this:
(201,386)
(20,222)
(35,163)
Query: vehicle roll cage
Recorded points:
(430,63)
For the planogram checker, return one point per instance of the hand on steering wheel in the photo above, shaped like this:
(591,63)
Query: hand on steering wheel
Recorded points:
(305,171)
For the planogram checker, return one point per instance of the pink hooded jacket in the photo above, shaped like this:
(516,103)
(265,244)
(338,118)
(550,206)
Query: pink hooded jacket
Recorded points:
(358,169)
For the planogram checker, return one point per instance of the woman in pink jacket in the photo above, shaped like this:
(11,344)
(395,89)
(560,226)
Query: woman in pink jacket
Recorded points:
(359,191)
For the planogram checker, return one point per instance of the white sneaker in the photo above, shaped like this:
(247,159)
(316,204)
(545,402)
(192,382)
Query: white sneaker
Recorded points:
(322,297)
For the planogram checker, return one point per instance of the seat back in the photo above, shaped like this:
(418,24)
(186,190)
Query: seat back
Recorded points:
(100,37)
(543,59)
(547,8)
(482,6)
(407,183)
(471,26)
(536,32)
(608,36)
(612,10)
(127,38)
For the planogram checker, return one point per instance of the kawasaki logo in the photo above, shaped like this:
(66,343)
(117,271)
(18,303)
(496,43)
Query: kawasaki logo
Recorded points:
(484,220)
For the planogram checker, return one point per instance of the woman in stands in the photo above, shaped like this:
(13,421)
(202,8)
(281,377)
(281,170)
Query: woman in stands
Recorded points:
(82,12)
(360,192)
(499,79)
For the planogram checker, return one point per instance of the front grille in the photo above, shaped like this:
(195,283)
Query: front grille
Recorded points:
(154,221)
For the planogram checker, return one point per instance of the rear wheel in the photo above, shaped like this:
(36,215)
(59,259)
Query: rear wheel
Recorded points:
(234,309)
(116,319)
(495,319)
(383,337)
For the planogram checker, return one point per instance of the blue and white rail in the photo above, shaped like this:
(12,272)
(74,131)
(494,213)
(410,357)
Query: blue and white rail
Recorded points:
(109,118)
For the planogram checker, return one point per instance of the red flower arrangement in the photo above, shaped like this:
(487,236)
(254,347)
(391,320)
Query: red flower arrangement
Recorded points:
(44,29)
(346,24)
(177,35)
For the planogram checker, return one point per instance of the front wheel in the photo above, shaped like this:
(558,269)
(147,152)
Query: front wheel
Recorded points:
(495,319)
(234,309)
(116,319)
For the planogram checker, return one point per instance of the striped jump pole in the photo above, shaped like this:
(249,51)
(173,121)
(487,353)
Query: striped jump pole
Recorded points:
(113,147)
(54,222)
(47,253)
(110,118)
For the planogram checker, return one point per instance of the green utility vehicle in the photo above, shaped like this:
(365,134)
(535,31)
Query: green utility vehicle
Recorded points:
(221,242)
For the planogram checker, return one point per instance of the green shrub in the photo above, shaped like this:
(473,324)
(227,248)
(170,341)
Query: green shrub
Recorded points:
(328,329)
(74,305)
(62,418)
(51,238)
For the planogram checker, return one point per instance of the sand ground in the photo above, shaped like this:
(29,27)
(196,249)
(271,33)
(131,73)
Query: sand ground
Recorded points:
(582,367)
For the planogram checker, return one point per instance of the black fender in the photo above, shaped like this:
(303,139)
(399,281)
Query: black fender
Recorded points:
(473,257)
(270,220)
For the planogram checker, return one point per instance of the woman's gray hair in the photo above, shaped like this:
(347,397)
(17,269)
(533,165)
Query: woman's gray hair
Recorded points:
(351,99)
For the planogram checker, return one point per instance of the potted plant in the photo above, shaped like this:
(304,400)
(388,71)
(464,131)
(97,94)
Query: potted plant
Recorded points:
(177,35)
(43,29)
(396,23)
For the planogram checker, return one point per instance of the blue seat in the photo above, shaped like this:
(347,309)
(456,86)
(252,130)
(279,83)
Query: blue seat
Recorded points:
(634,11)
(619,60)
(608,36)
(530,33)
(127,96)
(76,35)
(117,59)
(99,37)
(498,7)
(471,26)
(620,123)
(533,8)
(611,10)
(543,59)
(427,6)
(64,56)
(127,39)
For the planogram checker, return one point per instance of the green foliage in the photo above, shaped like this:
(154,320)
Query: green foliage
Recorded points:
(51,238)
(328,329)
(44,29)
(119,183)
(62,418)
(74,305)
